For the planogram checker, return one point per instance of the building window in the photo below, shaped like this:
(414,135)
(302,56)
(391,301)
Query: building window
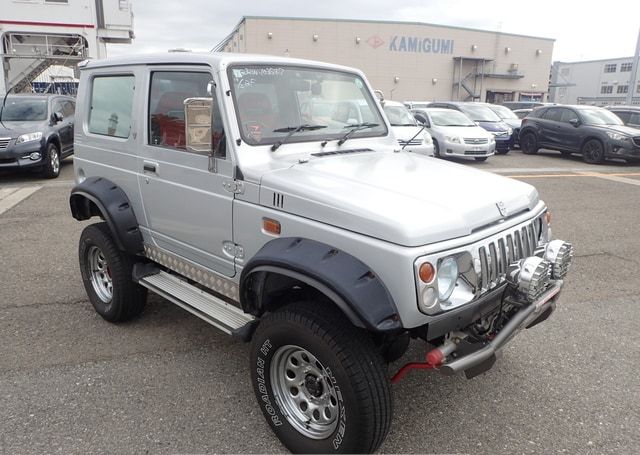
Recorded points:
(606,89)
(610,67)
(111,105)
(623,88)
(625,67)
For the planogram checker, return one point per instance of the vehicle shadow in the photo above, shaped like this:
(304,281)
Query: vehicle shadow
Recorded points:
(12,176)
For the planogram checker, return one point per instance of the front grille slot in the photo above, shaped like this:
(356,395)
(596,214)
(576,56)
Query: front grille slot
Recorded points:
(473,141)
(4,142)
(475,152)
(412,142)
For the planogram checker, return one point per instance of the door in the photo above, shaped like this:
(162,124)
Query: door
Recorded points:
(187,207)
(63,127)
(569,135)
(550,128)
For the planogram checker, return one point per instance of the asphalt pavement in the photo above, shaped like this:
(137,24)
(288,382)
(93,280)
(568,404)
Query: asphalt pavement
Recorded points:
(168,382)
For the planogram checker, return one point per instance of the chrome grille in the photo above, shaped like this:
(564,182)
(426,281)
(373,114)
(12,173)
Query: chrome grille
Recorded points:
(4,142)
(412,142)
(475,152)
(497,253)
(478,140)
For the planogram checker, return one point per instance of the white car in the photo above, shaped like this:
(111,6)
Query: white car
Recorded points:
(410,134)
(455,134)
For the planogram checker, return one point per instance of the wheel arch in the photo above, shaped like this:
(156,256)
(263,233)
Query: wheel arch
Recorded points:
(97,196)
(290,268)
(54,139)
(589,138)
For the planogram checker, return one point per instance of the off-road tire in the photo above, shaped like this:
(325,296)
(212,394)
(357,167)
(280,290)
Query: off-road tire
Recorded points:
(593,152)
(127,298)
(480,158)
(529,144)
(352,369)
(51,162)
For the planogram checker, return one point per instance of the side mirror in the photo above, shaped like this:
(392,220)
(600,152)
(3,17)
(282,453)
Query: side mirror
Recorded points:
(57,117)
(575,122)
(197,114)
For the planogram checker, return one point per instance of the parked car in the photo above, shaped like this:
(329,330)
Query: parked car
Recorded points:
(36,132)
(592,131)
(510,118)
(455,134)
(416,104)
(410,135)
(485,118)
(630,115)
(320,243)
(522,113)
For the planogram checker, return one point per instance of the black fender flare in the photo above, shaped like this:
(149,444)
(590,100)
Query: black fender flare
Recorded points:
(349,283)
(113,206)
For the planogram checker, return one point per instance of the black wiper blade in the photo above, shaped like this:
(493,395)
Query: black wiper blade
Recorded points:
(293,130)
(356,127)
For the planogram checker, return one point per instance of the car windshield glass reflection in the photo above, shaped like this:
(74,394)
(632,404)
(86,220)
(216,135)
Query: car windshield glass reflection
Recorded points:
(24,110)
(399,116)
(504,112)
(270,99)
(450,118)
(480,113)
(600,117)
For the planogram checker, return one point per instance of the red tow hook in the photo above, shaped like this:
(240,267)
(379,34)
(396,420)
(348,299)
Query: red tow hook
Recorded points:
(433,360)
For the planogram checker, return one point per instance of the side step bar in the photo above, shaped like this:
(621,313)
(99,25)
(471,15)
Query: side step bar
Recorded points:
(215,311)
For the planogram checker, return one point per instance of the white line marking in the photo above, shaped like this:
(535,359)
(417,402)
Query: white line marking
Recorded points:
(16,197)
(4,192)
(616,178)
(544,170)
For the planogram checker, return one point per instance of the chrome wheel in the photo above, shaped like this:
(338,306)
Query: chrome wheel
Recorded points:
(306,395)
(593,152)
(100,274)
(54,160)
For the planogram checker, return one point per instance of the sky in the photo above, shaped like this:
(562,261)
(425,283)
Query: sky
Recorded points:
(583,30)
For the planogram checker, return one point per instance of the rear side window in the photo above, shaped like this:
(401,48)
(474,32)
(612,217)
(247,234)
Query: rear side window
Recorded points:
(552,114)
(568,115)
(634,119)
(624,116)
(68,108)
(111,105)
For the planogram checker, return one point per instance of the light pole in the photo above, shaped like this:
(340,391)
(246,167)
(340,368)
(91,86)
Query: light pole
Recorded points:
(634,72)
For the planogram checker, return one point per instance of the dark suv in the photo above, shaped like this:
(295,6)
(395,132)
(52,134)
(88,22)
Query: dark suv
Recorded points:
(36,132)
(630,115)
(591,131)
(485,118)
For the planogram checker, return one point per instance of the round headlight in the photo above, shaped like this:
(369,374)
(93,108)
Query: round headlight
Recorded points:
(447,277)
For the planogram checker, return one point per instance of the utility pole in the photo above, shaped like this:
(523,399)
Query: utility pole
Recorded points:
(634,73)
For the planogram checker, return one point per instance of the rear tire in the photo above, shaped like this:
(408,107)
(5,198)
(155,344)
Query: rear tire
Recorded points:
(106,274)
(593,152)
(51,159)
(529,144)
(481,158)
(321,382)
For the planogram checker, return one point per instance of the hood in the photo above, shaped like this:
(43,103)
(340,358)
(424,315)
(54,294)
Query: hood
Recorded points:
(618,129)
(513,122)
(463,131)
(403,198)
(15,129)
(494,126)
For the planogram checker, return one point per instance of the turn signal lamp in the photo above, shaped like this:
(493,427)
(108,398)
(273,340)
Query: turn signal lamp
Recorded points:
(427,272)
(271,226)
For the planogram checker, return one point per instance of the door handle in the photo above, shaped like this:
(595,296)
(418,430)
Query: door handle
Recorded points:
(149,167)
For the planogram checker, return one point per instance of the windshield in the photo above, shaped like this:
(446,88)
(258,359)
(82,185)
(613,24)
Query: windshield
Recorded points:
(479,113)
(399,116)
(600,117)
(24,110)
(271,100)
(450,118)
(503,112)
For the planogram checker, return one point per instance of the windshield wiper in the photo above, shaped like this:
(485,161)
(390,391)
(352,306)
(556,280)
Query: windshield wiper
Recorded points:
(293,130)
(403,124)
(414,136)
(355,127)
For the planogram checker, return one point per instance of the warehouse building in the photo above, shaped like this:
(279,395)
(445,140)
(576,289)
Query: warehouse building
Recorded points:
(409,60)
(596,82)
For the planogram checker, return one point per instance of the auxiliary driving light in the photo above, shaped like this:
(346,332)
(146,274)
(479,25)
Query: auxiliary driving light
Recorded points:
(560,254)
(530,277)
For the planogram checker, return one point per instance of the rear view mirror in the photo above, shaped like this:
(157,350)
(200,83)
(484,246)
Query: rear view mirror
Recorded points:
(197,114)
(57,117)
(575,122)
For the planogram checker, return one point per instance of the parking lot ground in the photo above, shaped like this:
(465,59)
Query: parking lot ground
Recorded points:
(169,383)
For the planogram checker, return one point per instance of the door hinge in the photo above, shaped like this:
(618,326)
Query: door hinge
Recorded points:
(233,249)
(233,186)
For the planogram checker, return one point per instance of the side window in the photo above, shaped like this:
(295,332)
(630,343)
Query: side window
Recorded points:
(111,105)
(552,114)
(68,108)
(167,93)
(567,115)
(634,119)
(624,116)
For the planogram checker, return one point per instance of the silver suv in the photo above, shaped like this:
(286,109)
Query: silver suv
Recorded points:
(310,235)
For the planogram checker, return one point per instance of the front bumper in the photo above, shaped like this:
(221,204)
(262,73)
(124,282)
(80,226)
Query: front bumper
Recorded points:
(15,156)
(478,361)
(503,143)
(424,149)
(623,149)
(467,150)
